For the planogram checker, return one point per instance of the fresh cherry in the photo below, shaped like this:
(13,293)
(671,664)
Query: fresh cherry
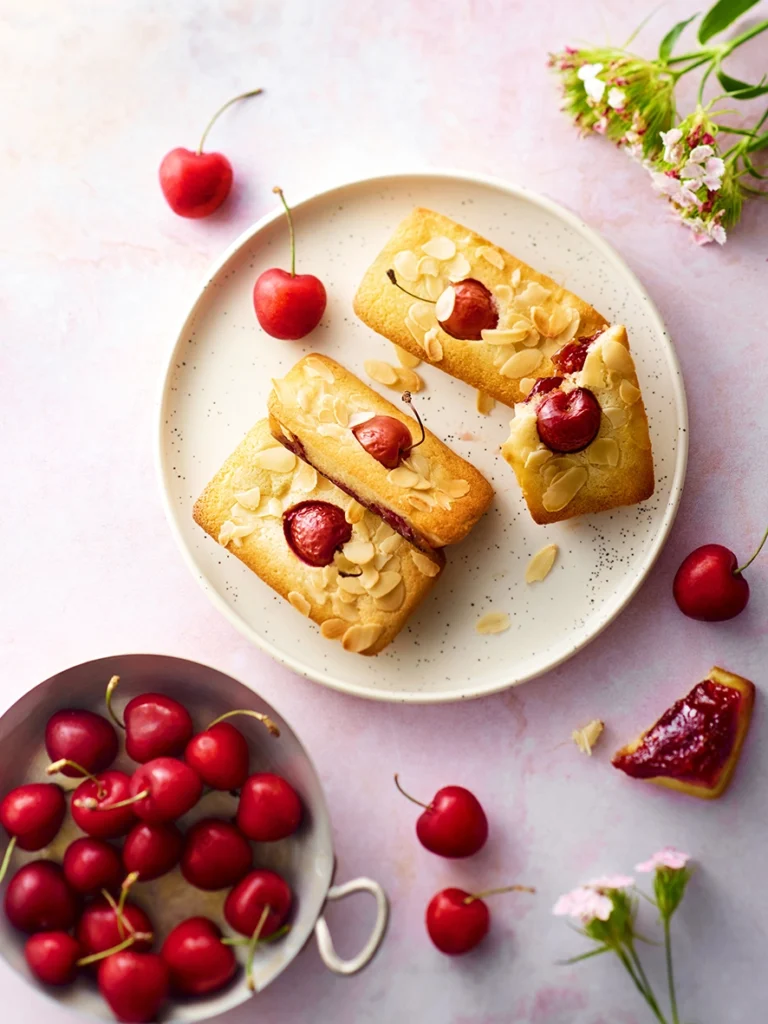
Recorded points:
(315,530)
(152,850)
(104,924)
(386,439)
(288,305)
(464,310)
(198,961)
(98,805)
(83,737)
(245,903)
(453,824)
(52,957)
(197,183)
(164,789)
(457,920)
(155,725)
(269,808)
(568,421)
(32,815)
(38,898)
(216,855)
(220,753)
(544,385)
(709,584)
(571,357)
(134,984)
(91,865)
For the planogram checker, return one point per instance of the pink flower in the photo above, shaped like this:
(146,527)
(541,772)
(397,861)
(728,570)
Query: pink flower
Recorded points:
(611,882)
(669,857)
(584,905)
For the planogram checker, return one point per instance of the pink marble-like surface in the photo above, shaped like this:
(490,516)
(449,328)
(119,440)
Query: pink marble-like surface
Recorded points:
(96,272)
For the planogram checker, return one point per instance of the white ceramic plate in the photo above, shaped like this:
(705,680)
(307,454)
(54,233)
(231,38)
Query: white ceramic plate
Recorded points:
(219,377)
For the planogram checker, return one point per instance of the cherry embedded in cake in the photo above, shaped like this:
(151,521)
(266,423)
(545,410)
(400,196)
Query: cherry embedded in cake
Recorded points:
(568,421)
(571,357)
(466,309)
(315,530)
(695,745)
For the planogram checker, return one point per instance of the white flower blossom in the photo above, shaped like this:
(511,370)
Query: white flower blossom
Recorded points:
(584,905)
(701,153)
(593,86)
(617,98)
(673,149)
(669,857)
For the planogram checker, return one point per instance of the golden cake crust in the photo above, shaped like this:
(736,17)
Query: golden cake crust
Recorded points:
(362,622)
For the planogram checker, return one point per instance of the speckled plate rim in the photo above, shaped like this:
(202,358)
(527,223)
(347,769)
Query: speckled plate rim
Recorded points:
(612,610)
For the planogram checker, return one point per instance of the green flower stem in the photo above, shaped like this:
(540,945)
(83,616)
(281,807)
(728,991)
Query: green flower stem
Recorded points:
(670,972)
(647,996)
(743,38)
(652,1002)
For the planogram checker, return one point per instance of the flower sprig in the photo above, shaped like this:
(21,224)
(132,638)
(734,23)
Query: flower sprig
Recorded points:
(606,910)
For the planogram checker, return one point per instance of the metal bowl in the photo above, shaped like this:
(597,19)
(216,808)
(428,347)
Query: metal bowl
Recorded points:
(305,859)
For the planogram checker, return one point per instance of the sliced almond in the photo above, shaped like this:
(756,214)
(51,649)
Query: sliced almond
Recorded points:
(444,305)
(318,596)
(415,330)
(540,318)
(616,357)
(485,403)
(359,552)
(429,267)
(306,478)
(603,452)
(299,602)
(458,268)
(432,346)
(492,256)
(304,398)
(456,488)
(424,564)
(326,416)
(569,331)
(390,544)
(507,336)
(273,508)
(522,363)
(380,371)
(331,430)
(393,600)
(628,392)
(402,477)
(314,367)
(387,581)
(539,566)
(276,460)
(537,459)
(249,499)
(283,390)
(564,489)
(370,575)
(383,530)
(344,611)
(363,531)
(534,294)
(330,575)
(423,313)
(351,584)
(359,638)
(434,286)
(227,532)
(503,293)
(421,503)
(422,484)
(355,512)
(406,358)
(440,247)
(492,622)
(406,264)
(332,629)
(556,467)
(515,278)
(527,385)
(586,737)
(592,373)
(408,380)
(341,412)
(559,319)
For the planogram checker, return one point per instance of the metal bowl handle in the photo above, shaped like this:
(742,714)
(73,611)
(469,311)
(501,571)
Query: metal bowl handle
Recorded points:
(328,954)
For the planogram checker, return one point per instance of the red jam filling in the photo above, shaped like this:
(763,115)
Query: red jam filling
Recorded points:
(692,740)
(570,358)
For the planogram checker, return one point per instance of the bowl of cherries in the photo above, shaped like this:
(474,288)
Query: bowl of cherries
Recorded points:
(168,846)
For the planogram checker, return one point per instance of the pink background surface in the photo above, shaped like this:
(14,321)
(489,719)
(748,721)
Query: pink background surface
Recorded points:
(96,273)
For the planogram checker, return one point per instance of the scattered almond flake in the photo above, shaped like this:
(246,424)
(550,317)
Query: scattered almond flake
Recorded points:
(628,392)
(227,532)
(557,467)
(363,531)
(409,380)
(506,336)
(355,512)
(318,596)
(249,499)
(440,247)
(343,610)
(380,371)
(424,564)
(456,488)
(444,305)
(370,575)
(603,452)
(485,403)
(515,277)
(283,391)
(492,622)
(458,268)
(332,629)
(299,602)
(406,265)
(503,293)
(387,581)
(616,357)
(592,373)
(522,363)
(331,430)
(540,564)
(586,737)
(341,412)
(537,459)
(617,417)
(564,489)
(330,574)
(391,601)
(273,508)
(559,320)
(360,417)
(314,367)
(422,313)
(276,460)
(402,477)
(359,638)
(406,359)
(569,331)
(540,318)
(326,416)
(434,286)
(422,484)
(359,552)
(421,503)
(383,530)
(432,346)
(393,563)
(304,398)
(442,501)
(351,584)
(390,544)
(527,385)
(429,267)
(492,256)
(415,330)
(533,294)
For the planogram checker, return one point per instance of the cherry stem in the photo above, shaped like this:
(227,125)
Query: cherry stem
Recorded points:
(278,191)
(7,858)
(56,767)
(751,560)
(496,892)
(235,99)
(128,881)
(393,279)
(252,944)
(125,944)
(123,924)
(427,807)
(409,402)
(111,687)
(265,720)
(93,805)
(240,941)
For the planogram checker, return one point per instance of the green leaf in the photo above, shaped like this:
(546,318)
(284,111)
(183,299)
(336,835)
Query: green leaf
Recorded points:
(668,42)
(584,956)
(751,91)
(759,143)
(723,14)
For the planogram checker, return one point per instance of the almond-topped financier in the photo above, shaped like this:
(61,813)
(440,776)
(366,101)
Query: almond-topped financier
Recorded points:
(579,443)
(378,454)
(474,310)
(335,562)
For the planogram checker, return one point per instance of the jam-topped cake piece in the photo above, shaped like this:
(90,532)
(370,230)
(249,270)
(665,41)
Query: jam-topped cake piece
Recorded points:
(336,562)
(377,453)
(695,745)
(579,441)
(451,297)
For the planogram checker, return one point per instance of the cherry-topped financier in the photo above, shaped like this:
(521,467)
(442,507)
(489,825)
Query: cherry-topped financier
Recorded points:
(464,310)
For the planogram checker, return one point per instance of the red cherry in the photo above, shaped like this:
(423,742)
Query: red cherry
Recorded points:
(152,850)
(457,921)
(315,530)
(93,805)
(83,737)
(571,357)
(473,311)
(91,865)
(198,961)
(52,957)
(568,421)
(134,984)
(99,929)
(215,855)
(288,305)
(38,898)
(709,584)
(269,808)
(155,726)
(220,754)
(244,905)
(543,386)
(385,438)
(32,814)
(172,788)
(453,825)
(196,183)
